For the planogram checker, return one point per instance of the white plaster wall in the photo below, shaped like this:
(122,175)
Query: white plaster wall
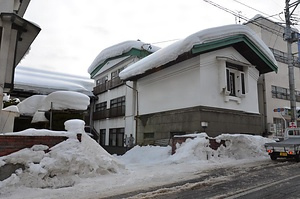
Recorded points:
(189,84)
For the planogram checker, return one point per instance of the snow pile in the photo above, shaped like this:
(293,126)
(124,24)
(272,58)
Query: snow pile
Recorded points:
(65,164)
(237,147)
(36,105)
(119,49)
(146,155)
(171,52)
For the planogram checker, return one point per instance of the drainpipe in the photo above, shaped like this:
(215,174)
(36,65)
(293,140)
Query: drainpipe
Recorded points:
(137,106)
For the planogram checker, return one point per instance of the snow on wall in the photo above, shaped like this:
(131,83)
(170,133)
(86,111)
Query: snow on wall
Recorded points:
(172,51)
(119,49)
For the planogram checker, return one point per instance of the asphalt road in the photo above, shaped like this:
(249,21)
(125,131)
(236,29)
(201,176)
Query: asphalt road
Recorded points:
(267,179)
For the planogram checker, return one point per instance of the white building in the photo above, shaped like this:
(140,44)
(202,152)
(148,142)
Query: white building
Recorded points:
(274,92)
(210,76)
(115,108)
(16,36)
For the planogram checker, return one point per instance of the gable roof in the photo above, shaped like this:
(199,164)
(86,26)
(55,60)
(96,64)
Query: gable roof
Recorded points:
(124,49)
(241,37)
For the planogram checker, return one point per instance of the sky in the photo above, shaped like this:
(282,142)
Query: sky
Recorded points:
(49,175)
(74,33)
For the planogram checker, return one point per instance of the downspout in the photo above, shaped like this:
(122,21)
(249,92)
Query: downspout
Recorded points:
(137,107)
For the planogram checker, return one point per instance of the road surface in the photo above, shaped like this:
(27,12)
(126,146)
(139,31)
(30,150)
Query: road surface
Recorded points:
(267,179)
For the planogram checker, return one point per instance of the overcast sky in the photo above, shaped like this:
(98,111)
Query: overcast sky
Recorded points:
(74,32)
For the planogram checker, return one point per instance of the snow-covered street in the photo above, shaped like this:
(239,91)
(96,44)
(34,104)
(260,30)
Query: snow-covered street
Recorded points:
(74,169)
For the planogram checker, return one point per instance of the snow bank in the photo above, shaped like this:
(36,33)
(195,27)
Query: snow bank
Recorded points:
(65,164)
(119,49)
(238,147)
(172,51)
(146,155)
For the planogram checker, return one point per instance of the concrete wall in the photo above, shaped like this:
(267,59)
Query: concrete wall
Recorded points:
(189,120)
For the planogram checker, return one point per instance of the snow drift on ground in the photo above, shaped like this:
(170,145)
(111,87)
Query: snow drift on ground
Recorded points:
(64,164)
(87,171)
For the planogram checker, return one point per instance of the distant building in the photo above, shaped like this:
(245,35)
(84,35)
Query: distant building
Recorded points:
(115,107)
(207,78)
(274,87)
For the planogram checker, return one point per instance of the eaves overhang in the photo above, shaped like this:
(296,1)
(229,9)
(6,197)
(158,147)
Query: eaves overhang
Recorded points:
(133,52)
(245,47)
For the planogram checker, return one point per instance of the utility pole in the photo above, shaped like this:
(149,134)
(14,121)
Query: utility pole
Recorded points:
(291,37)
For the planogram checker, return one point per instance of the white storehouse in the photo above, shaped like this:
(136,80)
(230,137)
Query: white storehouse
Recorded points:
(115,107)
(207,81)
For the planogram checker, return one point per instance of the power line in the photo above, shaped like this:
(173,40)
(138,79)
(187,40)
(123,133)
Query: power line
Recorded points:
(272,30)
(268,16)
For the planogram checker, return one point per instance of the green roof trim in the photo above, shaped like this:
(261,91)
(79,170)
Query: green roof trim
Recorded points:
(206,47)
(133,52)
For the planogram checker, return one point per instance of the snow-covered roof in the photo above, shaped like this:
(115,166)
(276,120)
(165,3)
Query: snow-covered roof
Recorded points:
(119,49)
(45,81)
(204,37)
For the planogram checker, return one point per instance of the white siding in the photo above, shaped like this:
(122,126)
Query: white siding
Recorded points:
(195,82)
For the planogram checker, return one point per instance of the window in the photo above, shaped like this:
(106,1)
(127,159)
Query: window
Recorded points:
(102,137)
(100,111)
(117,107)
(115,79)
(235,80)
(101,85)
(283,93)
(116,137)
(101,106)
(102,80)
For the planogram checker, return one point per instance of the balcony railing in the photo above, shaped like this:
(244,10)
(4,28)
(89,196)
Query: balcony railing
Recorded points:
(98,115)
(100,88)
(115,82)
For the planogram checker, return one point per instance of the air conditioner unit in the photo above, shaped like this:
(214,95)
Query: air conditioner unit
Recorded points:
(271,127)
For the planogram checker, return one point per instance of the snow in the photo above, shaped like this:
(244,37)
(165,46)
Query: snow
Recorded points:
(119,49)
(59,100)
(12,108)
(85,170)
(39,80)
(172,51)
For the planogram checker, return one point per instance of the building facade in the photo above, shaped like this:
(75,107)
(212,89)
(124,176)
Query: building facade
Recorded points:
(274,87)
(115,107)
(210,78)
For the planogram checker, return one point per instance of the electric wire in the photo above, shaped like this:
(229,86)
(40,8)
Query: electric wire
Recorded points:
(267,15)
(267,28)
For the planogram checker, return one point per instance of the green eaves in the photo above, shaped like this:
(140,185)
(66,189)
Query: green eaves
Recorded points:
(206,47)
(133,52)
